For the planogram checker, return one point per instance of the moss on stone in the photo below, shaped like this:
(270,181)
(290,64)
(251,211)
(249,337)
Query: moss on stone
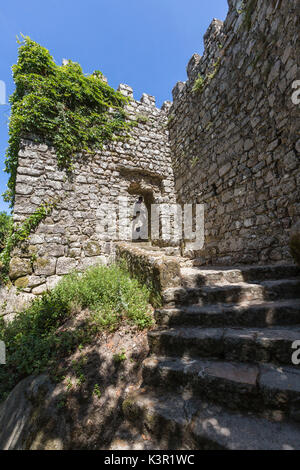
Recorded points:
(19,267)
(131,410)
(22,282)
(41,262)
(92,249)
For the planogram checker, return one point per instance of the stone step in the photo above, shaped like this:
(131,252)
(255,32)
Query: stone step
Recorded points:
(195,277)
(259,314)
(237,386)
(243,345)
(233,293)
(180,421)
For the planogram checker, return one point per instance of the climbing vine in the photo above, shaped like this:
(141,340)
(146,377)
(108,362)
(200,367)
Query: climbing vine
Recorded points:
(60,104)
(5,228)
(19,234)
(247,9)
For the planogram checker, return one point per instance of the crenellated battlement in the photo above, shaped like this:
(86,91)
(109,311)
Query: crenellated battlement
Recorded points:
(201,65)
(147,100)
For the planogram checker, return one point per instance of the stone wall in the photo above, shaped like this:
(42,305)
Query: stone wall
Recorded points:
(152,266)
(235,144)
(71,238)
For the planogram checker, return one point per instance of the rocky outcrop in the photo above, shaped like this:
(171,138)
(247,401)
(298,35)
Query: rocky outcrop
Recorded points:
(68,410)
(30,417)
(13,301)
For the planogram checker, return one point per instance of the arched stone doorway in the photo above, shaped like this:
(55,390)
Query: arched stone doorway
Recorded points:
(142,198)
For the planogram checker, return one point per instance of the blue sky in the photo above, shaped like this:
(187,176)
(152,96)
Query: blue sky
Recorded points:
(144,43)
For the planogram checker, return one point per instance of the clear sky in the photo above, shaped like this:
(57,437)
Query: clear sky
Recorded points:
(143,43)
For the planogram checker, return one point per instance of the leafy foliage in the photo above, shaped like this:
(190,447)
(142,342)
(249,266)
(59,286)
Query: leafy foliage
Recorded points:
(39,336)
(60,104)
(199,84)
(97,391)
(5,228)
(15,235)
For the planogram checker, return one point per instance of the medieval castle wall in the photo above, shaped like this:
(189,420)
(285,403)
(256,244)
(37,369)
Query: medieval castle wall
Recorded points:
(235,144)
(70,238)
(232,145)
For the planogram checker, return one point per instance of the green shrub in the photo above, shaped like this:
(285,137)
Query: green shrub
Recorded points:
(202,82)
(38,337)
(74,111)
(97,391)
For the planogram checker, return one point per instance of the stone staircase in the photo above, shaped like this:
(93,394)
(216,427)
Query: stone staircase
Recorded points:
(220,373)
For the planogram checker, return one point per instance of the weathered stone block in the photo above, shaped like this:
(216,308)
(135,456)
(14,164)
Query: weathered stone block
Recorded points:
(92,249)
(65,265)
(52,281)
(34,281)
(22,282)
(39,289)
(12,301)
(19,267)
(86,263)
(44,266)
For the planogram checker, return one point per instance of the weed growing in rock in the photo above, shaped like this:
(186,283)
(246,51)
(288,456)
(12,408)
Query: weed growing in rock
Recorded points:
(120,357)
(199,84)
(97,391)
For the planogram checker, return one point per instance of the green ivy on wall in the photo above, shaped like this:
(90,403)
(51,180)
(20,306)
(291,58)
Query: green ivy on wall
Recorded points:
(21,233)
(5,228)
(74,111)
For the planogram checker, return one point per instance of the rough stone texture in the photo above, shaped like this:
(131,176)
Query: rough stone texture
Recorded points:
(192,424)
(151,267)
(71,237)
(19,267)
(225,361)
(234,145)
(295,242)
(12,301)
